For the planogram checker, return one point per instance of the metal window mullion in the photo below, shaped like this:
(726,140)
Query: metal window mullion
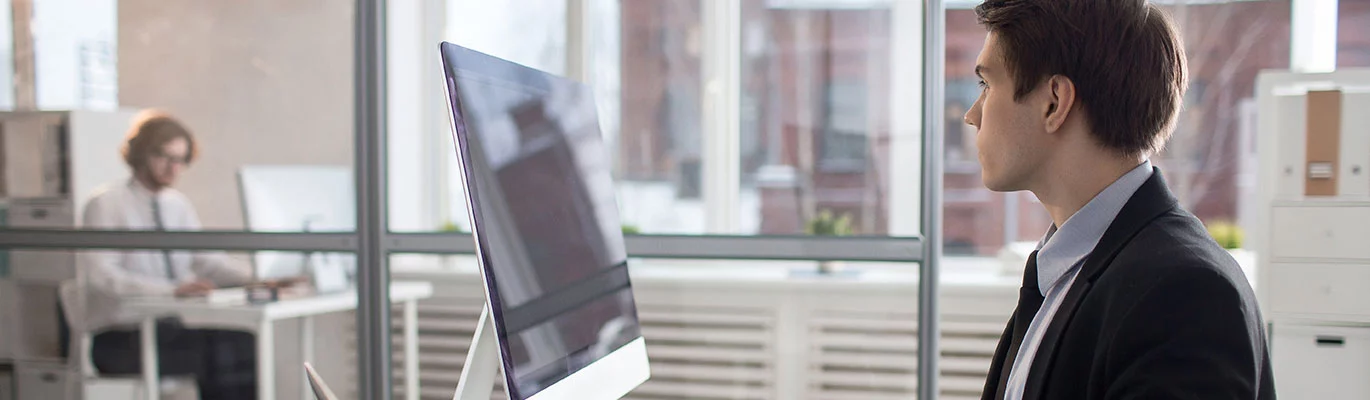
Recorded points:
(722,20)
(579,40)
(906,87)
(883,249)
(154,240)
(1313,35)
(934,58)
(373,273)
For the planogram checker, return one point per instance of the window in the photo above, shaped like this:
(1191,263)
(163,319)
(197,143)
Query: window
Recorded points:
(821,71)
(1353,34)
(844,145)
(813,119)
(1228,44)
(659,162)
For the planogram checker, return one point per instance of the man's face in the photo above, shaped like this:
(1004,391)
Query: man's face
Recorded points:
(1011,135)
(166,163)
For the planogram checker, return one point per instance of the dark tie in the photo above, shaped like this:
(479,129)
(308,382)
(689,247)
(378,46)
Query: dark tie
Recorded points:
(166,254)
(1029,301)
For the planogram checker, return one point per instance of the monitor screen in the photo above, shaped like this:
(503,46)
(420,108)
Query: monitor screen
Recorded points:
(297,198)
(544,215)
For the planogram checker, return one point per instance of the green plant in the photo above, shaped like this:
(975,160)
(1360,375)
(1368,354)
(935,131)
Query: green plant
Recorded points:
(1227,234)
(826,224)
(630,229)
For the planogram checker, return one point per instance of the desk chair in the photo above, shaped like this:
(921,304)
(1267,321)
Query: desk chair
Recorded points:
(89,383)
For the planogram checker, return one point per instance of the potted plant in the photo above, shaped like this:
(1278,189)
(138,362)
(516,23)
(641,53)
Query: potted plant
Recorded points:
(1231,237)
(1227,234)
(827,224)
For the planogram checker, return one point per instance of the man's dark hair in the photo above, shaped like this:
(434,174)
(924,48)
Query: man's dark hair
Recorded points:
(1124,56)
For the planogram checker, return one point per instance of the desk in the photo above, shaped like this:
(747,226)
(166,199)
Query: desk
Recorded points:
(259,319)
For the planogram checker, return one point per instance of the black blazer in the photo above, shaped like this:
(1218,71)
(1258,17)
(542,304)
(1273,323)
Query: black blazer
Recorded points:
(1158,311)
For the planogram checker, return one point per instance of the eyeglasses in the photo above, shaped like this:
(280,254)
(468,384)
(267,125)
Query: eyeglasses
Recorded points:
(166,158)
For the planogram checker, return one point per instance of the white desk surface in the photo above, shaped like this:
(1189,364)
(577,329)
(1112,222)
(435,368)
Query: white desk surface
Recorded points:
(238,313)
(233,311)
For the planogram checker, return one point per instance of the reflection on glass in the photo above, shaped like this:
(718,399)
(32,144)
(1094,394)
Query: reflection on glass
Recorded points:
(545,212)
(815,98)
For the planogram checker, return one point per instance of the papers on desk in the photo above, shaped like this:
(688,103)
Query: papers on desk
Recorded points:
(227,296)
(238,295)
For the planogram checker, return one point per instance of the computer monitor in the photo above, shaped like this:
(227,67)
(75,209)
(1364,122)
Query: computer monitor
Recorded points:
(548,237)
(299,198)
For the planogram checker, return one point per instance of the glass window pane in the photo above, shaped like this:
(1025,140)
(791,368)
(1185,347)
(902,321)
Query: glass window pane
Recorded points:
(6,55)
(1353,34)
(81,75)
(422,152)
(1210,161)
(253,128)
(815,119)
(659,143)
(975,220)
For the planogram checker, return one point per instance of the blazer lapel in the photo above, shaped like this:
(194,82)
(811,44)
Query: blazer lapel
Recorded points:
(996,367)
(1151,200)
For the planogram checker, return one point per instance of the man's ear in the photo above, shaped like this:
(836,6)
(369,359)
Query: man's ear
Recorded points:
(1060,101)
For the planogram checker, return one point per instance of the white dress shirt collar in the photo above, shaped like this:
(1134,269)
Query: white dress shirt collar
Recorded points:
(1065,247)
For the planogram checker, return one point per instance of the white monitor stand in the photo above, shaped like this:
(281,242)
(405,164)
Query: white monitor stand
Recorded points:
(482,361)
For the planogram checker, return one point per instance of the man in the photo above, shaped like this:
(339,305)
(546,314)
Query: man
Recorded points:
(157,150)
(1126,296)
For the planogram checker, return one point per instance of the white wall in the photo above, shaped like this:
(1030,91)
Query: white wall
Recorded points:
(259,82)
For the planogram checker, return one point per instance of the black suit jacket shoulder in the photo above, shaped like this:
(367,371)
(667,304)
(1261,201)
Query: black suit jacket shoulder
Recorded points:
(1158,310)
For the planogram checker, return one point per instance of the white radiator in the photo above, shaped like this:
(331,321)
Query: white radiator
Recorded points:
(713,334)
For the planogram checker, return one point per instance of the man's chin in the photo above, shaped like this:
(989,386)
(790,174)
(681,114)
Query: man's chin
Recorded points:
(999,185)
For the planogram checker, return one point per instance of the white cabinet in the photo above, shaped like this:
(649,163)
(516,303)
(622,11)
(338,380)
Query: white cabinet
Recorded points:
(1292,118)
(1331,290)
(36,335)
(1321,362)
(1321,230)
(41,266)
(42,381)
(1355,145)
(1352,170)
(52,162)
(1312,237)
